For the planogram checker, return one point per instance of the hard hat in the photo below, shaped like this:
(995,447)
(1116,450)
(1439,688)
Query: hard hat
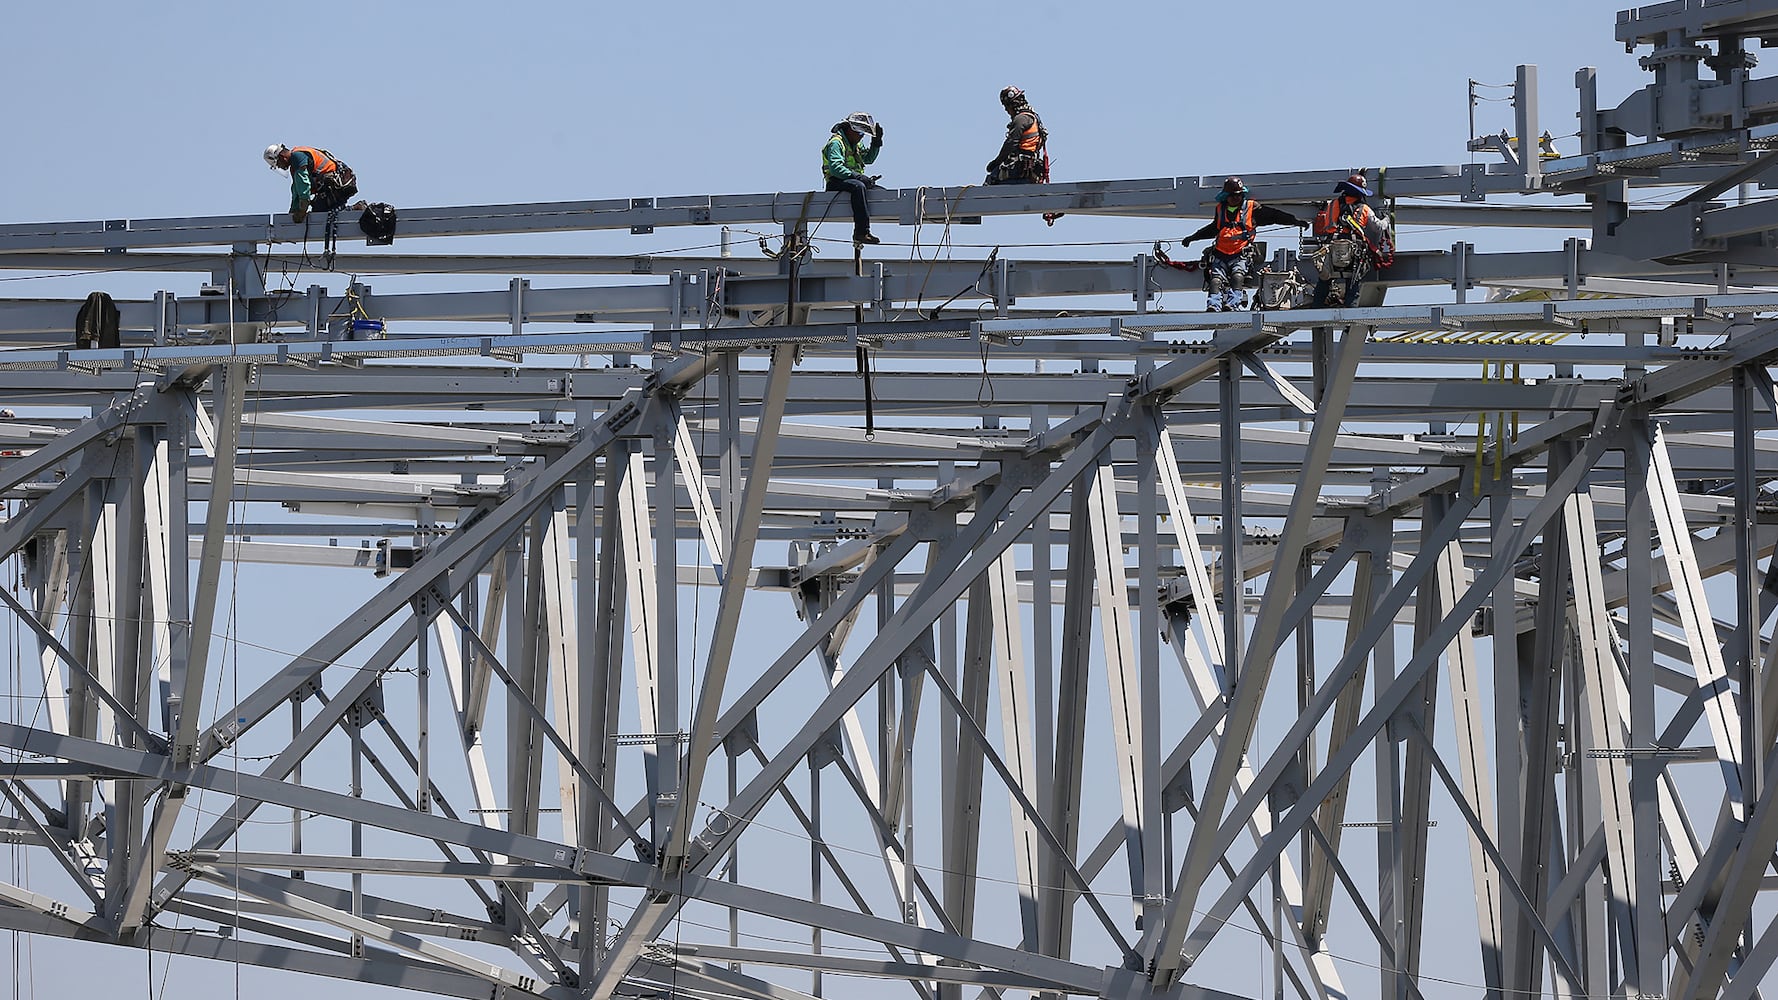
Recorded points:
(1234,186)
(860,121)
(1012,95)
(1354,185)
(272,153)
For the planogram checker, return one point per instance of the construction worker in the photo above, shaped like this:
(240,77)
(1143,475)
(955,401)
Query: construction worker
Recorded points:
(843,161)
(318,180)
(1023,158)
(1346,219)
(1227,262)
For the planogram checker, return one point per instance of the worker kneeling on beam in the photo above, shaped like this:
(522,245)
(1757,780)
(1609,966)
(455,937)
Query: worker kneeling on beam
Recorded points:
(318,180)
(843,160)
(1351,243)
(1228,262)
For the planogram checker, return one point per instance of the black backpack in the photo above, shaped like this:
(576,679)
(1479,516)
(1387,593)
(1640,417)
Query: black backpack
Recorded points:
(378,224)
(97,322)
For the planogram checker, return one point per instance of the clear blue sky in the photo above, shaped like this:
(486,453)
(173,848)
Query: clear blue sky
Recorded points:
(135,110)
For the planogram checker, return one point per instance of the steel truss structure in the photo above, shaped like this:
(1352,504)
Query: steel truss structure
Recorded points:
(1026,591)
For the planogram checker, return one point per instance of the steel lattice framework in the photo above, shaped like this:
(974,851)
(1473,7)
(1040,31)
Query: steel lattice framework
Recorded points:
(1137,613)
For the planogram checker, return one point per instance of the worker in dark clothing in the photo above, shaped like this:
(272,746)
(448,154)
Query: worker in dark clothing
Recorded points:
(843,161)
(1354,242)
(1023,158)
(1226,263)
(318,180)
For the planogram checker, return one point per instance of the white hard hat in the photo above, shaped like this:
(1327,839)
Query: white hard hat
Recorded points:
(272,153)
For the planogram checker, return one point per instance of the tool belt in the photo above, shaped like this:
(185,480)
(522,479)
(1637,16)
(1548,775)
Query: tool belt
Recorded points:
(1340,257)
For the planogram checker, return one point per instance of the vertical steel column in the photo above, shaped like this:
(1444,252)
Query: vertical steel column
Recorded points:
(1147,743)
(1509,732)
(1525,119)
(815,845)
(355,727)
(1043,660)
(1540,675)
(1391,876)
(1233,577)
(1122,681)
(129,544)
(1057,928)
(1747,589)
(961,812)
(665,508)
(1645,770)
(1015,728)
(422,706)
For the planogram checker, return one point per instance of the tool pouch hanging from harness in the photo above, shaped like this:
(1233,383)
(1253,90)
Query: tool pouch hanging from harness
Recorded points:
(378,224)
(1337,257)
(333,188)
(96,325)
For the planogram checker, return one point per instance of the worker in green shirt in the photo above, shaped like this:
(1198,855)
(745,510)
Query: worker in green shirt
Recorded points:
(843,161)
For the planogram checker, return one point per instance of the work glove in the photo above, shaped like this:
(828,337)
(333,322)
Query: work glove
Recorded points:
(299,215)
(872,180)
(992,166)
(879,133)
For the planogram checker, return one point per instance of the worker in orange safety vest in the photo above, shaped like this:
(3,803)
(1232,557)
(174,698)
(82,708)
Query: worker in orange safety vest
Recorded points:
(1228,261)
(318,180)
(1347,216)
(1023,158)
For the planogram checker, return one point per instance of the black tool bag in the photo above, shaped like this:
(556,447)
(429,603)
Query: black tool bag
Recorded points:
(97,322)
(378,224)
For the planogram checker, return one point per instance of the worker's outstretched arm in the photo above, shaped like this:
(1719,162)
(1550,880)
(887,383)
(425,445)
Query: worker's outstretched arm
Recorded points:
(1266,215)
(1205,233)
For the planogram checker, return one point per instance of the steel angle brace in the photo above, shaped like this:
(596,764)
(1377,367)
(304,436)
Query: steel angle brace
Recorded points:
(1177,761)
(262,888)
(733,593)
(478,534)
(125,716)
(541,952)
(1175,376)
(1282,386)
(741,714)
(122,411)
(1076,978)
(983,539)
(54,844)
(382,968)
(692,471)
(657,976)
(1032,816)
(1482,839)
(863,778)
(1257,663)
(514,691)
(914,971)
(1331,860)
(888,840)
(262,790)
(233,914)
(70,917)
(1406,682)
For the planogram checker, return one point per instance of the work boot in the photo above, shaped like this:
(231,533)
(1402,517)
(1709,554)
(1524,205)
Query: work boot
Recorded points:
(1236,303)
(865,238)
(1213,302)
